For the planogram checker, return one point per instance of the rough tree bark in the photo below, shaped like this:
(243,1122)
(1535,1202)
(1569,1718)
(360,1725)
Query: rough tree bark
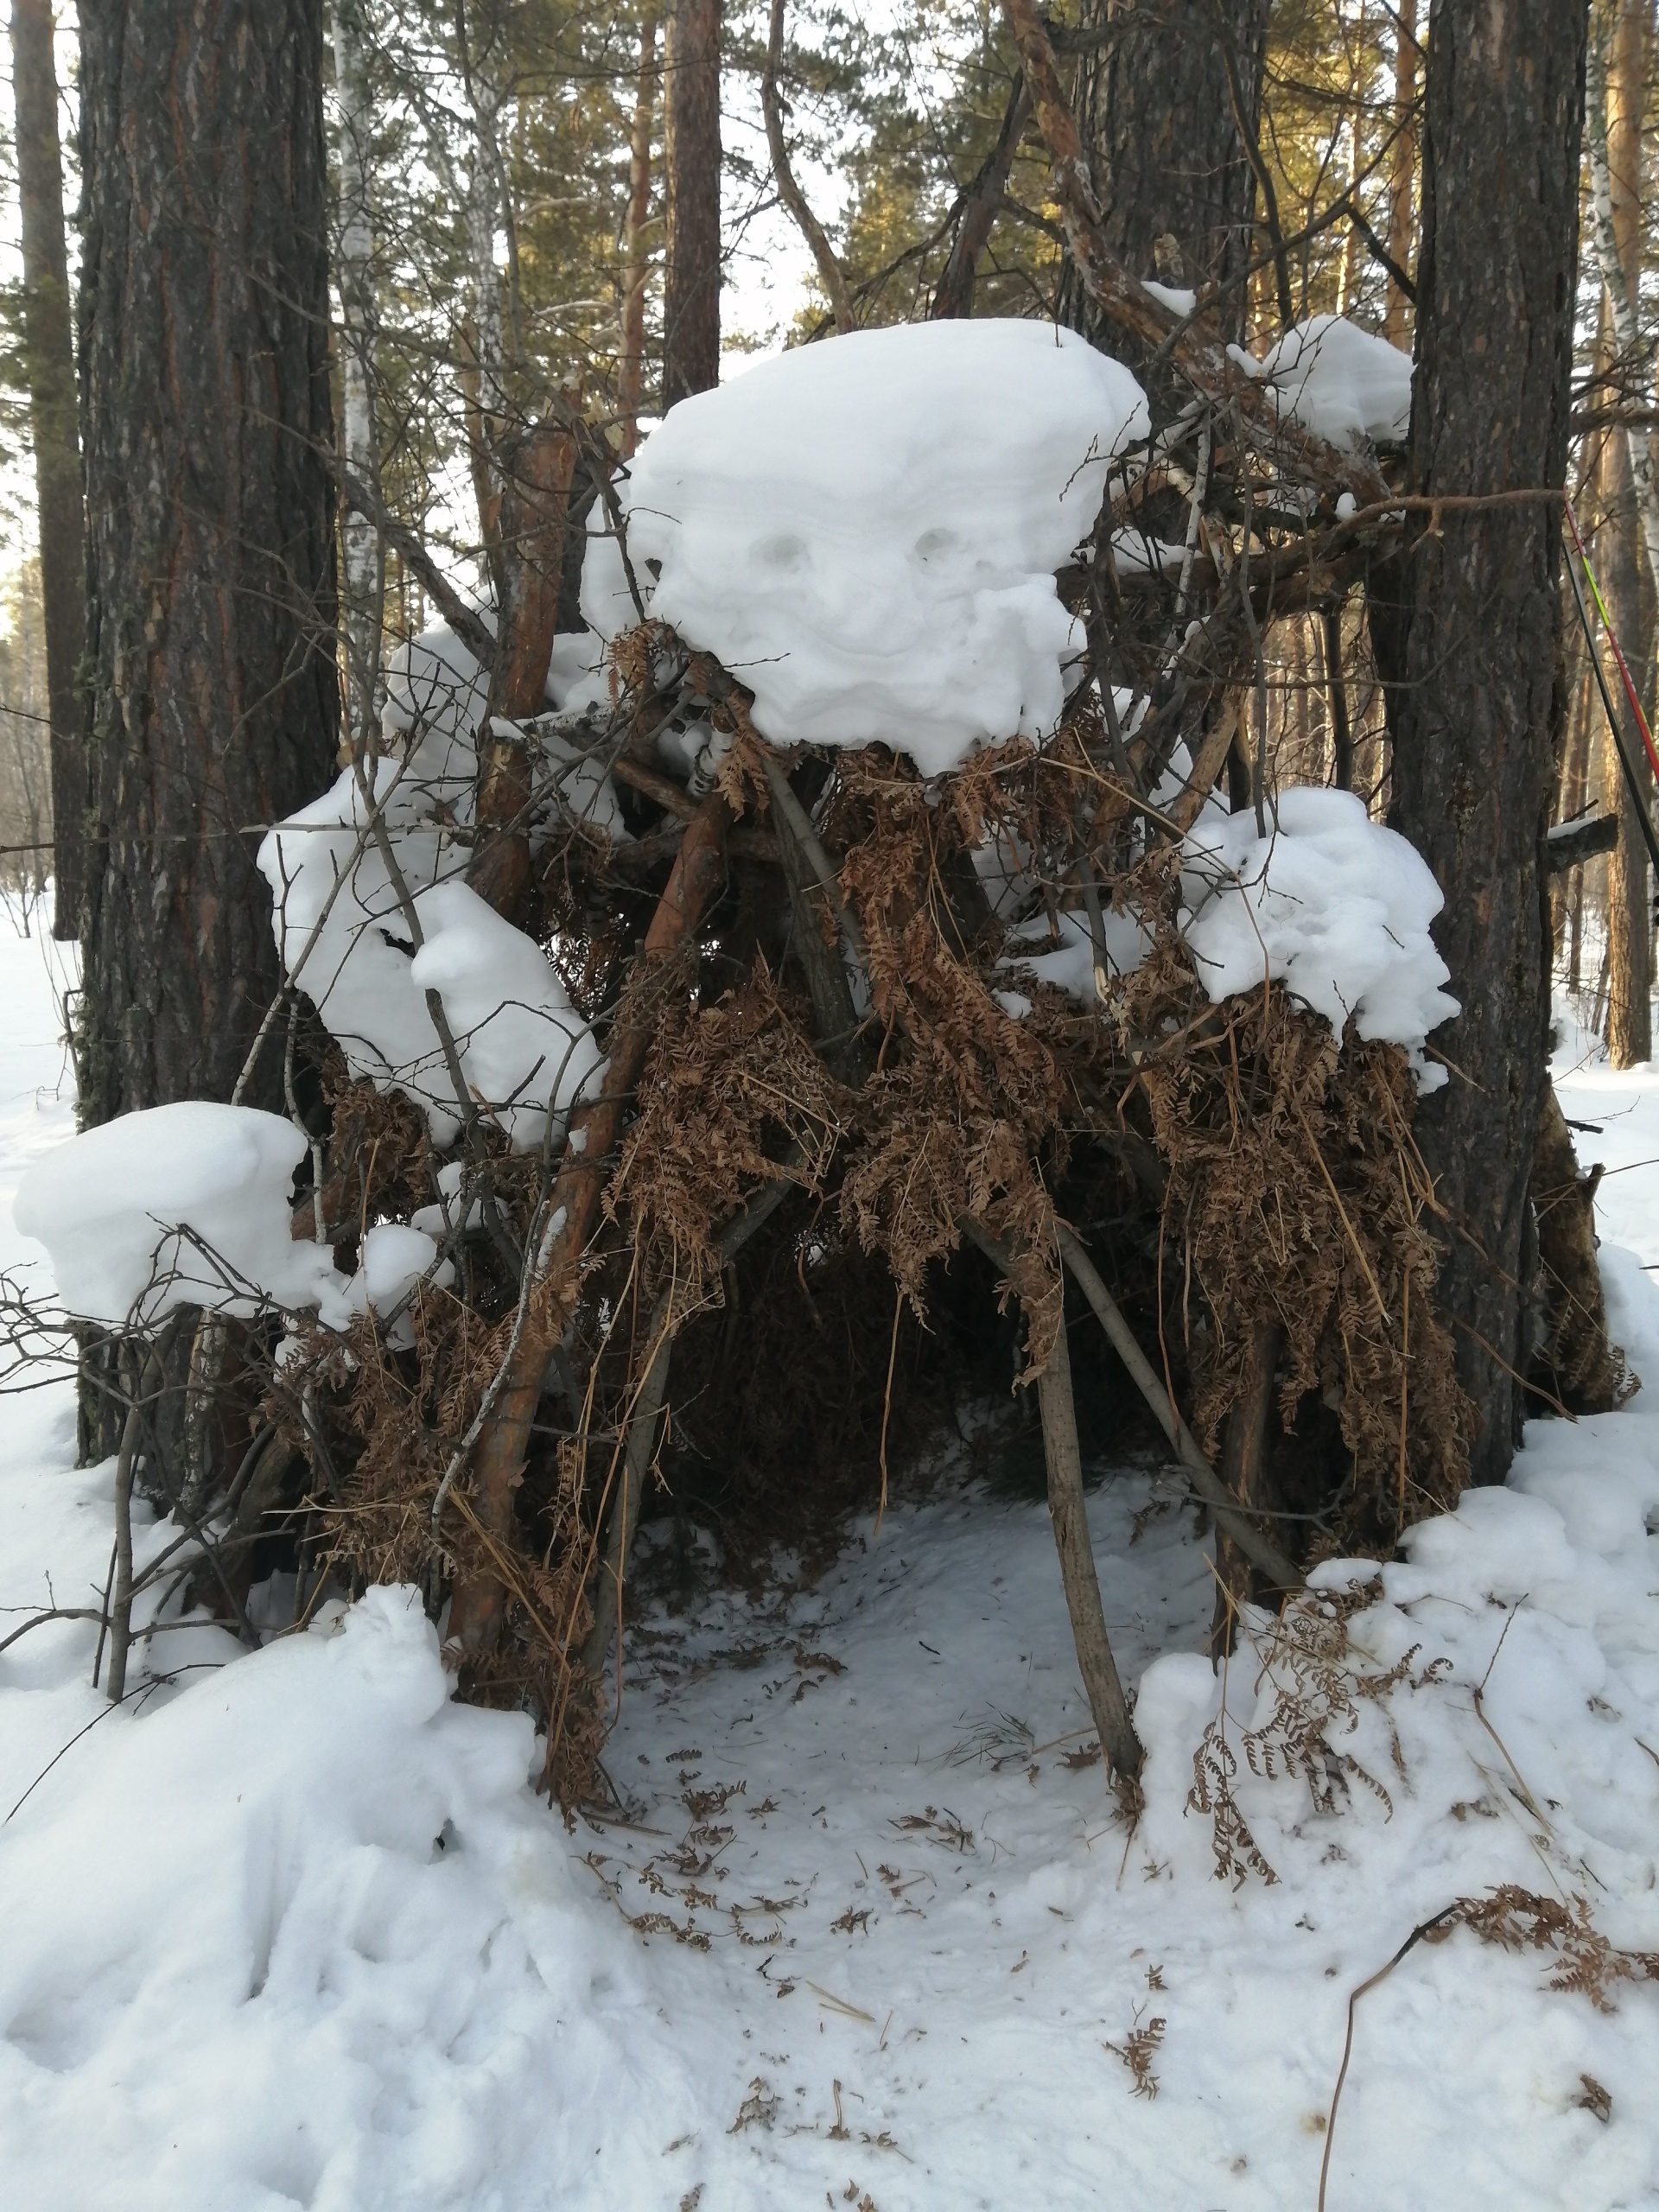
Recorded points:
(1170,159)
(207,428)
(1467,634)
(691,166)
(49,360)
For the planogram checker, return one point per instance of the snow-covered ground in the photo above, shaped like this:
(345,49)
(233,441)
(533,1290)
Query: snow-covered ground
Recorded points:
(290,1930)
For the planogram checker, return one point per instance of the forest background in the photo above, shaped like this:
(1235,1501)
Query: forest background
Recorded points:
(527,141)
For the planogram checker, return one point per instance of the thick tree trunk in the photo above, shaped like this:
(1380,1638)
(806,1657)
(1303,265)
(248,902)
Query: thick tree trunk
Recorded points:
(1470,646)
(207,427)
(691,164)
(49,361)
(1171,161)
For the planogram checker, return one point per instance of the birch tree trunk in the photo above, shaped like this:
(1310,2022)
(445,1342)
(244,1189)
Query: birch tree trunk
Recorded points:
(630,354)
(484,381)
(363,554)
(48,347)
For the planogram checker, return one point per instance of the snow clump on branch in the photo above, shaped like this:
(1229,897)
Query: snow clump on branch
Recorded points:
(1331,903)
(343,932)
(866,532)
(1341,382)
(185,1204)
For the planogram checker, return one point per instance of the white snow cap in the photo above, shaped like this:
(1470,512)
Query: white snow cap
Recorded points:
(1340,381)
(1331,903)
(866,531)
(521,1044)
(111,1207)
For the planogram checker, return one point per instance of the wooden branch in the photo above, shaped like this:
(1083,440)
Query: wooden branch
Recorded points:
(121,1606)
(832,275)
(1244,1469)
(1063,1459)
(669,796)
(1569,842)
(1212,755)
(638,1451)
(1251,140)
(1260,1550)
(1119,1744)
(979,206)
(699,871)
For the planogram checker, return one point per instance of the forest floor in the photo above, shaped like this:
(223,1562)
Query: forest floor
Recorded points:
(290,1930)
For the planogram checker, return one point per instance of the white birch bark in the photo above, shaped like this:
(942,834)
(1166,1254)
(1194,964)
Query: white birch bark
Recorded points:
(363,554)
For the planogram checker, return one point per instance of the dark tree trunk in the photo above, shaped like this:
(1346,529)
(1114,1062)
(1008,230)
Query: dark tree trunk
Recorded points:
(206,427)
(1470,646)
(50,350)
(691,175)
(1171,160)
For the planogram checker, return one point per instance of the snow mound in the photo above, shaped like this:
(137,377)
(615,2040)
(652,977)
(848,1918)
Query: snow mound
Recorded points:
(184,1204)
(866,532)
(523,1048)
(1340,382)
(300,1937)
(1329,904)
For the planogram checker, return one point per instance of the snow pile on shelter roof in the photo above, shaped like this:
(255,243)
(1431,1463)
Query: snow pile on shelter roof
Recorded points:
(184,1204)
(866,532)
(343,934)
(1341,382)
(1331,903)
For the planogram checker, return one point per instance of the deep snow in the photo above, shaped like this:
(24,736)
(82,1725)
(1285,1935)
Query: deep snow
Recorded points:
(293,1931)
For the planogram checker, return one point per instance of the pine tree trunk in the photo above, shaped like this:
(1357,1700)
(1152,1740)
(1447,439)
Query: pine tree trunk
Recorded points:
(210,552)
(1170,157)
(1470,645)
(49,360)
(691,164)
(1630,595)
